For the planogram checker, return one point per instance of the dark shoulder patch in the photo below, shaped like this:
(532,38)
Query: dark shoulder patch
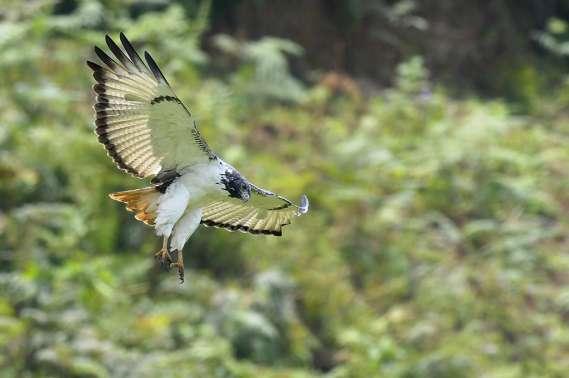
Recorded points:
(164,179)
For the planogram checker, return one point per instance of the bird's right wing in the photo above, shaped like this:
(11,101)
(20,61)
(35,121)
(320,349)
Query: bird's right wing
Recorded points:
(264,213)
(144,126)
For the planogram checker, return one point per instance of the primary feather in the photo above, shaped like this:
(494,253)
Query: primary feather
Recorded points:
(139,118)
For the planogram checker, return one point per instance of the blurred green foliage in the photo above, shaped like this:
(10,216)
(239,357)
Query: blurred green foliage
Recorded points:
(436,245)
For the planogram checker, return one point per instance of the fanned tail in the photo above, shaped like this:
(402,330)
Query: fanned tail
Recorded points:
(143,202)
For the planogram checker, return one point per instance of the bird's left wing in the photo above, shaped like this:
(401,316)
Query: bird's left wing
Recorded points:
(264,213)
(144,126)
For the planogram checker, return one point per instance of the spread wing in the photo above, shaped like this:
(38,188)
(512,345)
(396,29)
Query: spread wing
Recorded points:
(264,213)
(140,120)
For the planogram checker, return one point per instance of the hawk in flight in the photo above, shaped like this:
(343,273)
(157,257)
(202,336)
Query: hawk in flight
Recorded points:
(150,133)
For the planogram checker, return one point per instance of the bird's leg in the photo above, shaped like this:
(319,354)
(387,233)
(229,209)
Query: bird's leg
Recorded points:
(180,265)
(162,255)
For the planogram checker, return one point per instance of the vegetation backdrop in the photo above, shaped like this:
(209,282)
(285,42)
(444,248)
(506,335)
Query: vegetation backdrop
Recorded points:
(431,137)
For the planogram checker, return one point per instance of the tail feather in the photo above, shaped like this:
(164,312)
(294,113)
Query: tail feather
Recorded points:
(143,202)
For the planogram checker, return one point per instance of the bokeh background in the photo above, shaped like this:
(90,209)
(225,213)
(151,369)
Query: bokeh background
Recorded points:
(432,138)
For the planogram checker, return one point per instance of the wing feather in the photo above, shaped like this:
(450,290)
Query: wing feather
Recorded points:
(133,55)
(264,213)
(141,122)
(154,68)
(120,55)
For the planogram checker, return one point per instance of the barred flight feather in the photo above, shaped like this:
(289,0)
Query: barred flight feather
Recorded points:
(265,213)
(141,122)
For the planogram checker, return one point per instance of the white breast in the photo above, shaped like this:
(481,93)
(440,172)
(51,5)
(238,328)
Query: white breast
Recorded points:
(197,186)
(171,207)
(203,182)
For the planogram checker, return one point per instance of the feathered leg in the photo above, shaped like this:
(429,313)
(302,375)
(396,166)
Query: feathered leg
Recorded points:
(171,208)
(182,231)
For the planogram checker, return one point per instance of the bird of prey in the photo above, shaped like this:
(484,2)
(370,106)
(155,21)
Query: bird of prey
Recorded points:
(150,133)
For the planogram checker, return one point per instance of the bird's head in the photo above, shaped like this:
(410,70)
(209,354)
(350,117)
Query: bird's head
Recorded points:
(245,190)
(236,185)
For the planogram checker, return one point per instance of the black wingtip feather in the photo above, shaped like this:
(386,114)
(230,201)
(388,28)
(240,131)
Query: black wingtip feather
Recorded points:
(126,43)
(119,54)
(131,52)
(94,66)
(109,41)
(154,68)
(105,58)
